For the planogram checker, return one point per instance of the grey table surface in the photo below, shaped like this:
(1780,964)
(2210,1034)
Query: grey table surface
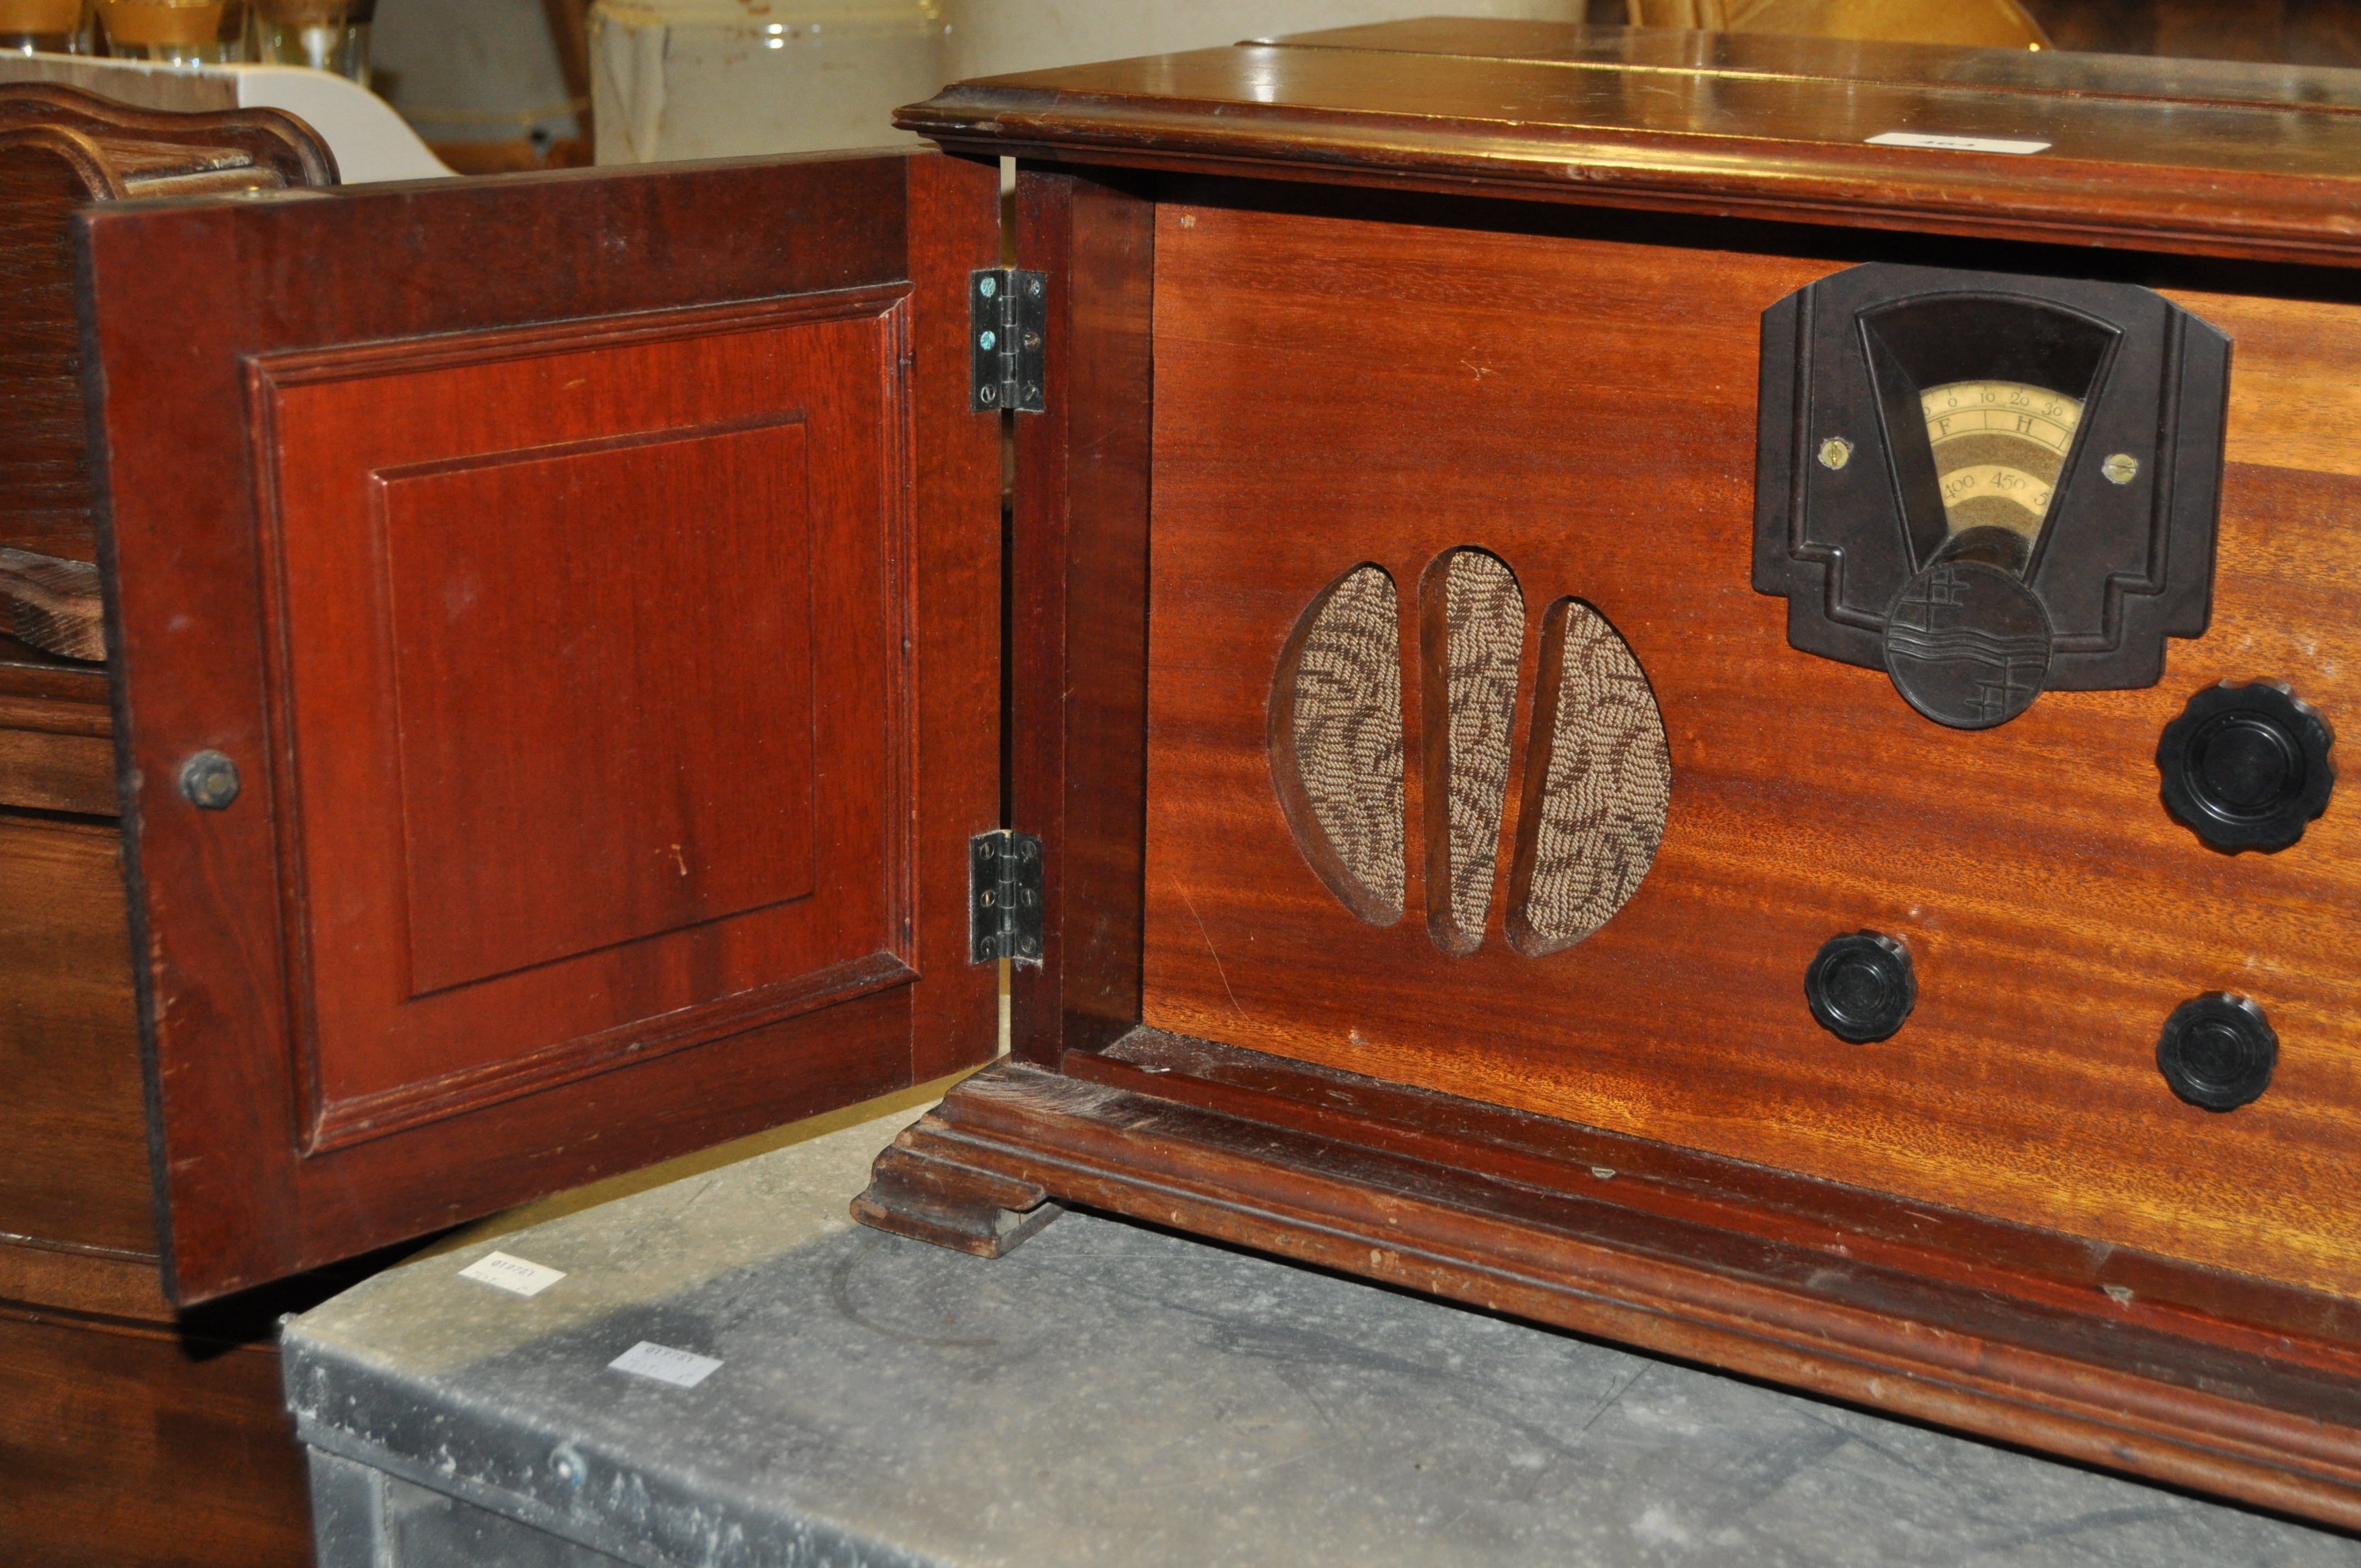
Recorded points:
(1109,1394)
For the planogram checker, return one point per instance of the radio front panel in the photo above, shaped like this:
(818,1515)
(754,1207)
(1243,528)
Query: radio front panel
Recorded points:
(1483,760)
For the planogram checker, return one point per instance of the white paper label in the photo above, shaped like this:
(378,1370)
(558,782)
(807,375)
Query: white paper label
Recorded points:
(1957,144)
(513,1274)
(681,1368)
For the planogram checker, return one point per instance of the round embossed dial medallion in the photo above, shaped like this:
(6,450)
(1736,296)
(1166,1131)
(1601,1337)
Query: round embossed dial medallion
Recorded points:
(1967,644)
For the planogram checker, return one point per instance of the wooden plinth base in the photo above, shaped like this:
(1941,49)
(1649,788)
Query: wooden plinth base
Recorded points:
(2183,1375)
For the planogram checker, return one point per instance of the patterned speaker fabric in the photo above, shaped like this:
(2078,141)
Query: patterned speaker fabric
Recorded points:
(1349,731)
(1610,780)
(1485,612)
(1598,783)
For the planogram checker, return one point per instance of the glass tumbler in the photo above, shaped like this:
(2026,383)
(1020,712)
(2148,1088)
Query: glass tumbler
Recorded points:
(325,35)
(185,32)
(45,26)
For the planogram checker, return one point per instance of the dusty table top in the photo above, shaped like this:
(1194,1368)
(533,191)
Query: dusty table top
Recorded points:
(1109,1394)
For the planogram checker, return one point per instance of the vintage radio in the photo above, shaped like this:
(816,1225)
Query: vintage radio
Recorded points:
(1680,685)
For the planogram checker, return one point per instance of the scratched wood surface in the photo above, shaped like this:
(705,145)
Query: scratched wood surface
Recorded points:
(1583,407)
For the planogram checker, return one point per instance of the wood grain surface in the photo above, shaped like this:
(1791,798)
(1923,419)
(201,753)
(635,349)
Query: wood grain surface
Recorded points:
(59,149)
(1584,408)
(122,1447)
(546,826)
(73,1122)
(52,603)
(1079,598)
(2227,160)
(211,607)
(2104,53)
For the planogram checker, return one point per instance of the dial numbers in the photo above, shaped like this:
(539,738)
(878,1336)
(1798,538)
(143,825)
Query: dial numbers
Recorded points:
(1999,447)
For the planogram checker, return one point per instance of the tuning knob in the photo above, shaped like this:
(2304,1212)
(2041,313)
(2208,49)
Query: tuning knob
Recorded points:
(1860,986)
(2246,766)
(2217,1051)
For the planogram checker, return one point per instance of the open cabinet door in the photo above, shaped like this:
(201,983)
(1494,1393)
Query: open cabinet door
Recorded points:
(557,660)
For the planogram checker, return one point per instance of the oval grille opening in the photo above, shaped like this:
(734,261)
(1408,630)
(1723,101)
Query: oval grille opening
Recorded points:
(1599,778)
(1336,742)
(1596,771)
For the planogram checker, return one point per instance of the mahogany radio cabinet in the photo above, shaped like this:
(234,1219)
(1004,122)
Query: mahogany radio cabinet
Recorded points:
(1681,685)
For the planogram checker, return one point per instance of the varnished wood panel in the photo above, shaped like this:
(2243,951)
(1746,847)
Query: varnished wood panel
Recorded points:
(479,670)
(111,1282)
(128,1448)
(212,648)
(72,1121)
(45,504)
(553,783)
(2226,159)
(1079,589)
(1607,45)
(955,620)
(1584,408)
(56,748)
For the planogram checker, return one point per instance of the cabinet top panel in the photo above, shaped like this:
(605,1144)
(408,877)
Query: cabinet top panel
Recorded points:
(2189,156)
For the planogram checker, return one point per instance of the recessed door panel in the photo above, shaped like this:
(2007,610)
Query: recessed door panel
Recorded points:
(697,812)
(550,691)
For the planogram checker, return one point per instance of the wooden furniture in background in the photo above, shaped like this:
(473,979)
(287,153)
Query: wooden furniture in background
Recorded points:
(128,1434)
(59,149)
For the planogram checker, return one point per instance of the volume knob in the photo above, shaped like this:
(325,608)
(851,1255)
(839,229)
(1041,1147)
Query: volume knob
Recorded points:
(1860,986)
(2247,766)
(2218,1051)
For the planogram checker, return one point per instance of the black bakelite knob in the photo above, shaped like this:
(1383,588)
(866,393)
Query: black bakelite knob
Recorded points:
(1860,986)
(2246,766)
(2218,1051)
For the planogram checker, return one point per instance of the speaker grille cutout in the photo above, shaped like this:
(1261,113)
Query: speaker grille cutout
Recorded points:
(1602,773)
(1596,769)
(1336,742)
(1484,621)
